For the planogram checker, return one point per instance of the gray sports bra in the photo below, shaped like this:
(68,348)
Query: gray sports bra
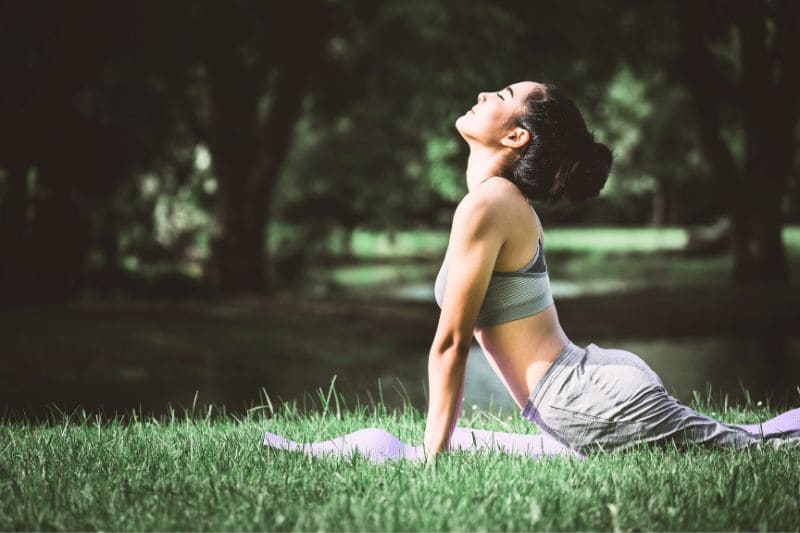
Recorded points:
(510,295)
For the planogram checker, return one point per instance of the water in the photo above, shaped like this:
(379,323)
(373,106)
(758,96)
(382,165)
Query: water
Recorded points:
(118,357)
(685,366)
(423,291)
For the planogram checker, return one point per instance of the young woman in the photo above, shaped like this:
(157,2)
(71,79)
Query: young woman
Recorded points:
(528,141)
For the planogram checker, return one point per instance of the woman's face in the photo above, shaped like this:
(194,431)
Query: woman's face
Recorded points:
(491,119)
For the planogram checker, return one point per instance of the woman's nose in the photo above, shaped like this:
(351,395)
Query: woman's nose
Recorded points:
(481,97)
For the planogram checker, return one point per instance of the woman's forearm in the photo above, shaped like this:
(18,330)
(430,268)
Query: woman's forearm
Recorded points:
(446,371)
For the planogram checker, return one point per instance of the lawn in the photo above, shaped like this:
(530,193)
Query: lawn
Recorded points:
(208,471)
(205,468)
(582,238)
(581,261)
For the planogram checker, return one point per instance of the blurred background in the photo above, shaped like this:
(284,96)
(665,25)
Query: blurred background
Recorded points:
(206,202)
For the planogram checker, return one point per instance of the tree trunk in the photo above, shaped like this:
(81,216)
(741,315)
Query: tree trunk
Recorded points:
(60,241)
(756,239)
(659,205)
(247,152)
(109,245)
(247,166)
(238,236)
(752,194)
(770,117)
(346,242)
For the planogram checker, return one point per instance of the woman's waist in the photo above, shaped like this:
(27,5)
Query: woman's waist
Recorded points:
(528,339)
(523,359)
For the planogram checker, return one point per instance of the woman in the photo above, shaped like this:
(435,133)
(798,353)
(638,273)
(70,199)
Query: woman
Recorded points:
(529,142)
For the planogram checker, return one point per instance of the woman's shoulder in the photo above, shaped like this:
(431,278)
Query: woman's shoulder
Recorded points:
(495,195)
(498,204)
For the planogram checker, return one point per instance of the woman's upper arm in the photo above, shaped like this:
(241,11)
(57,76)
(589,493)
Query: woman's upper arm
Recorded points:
(475,241)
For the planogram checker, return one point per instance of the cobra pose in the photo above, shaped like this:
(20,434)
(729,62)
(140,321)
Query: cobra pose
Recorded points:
(529,142)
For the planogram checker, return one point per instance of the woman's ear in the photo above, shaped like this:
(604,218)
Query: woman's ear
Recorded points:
(516,138)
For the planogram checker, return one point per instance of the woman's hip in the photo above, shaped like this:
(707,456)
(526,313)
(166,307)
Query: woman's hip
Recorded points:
(597,395)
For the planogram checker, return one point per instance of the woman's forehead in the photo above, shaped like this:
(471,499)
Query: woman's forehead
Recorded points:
(526,86)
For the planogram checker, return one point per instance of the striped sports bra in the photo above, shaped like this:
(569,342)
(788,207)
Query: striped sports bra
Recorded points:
(510,295)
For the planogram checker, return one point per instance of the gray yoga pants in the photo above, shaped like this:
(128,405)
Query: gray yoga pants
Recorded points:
(603,399)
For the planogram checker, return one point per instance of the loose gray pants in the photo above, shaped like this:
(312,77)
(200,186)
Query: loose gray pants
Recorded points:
(603,399)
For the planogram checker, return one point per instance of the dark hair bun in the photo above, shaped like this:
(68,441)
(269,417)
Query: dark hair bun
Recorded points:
(587,175)
(562,159)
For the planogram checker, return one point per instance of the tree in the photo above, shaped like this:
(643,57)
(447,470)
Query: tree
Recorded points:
(763,74)
(240,72)
(80,116)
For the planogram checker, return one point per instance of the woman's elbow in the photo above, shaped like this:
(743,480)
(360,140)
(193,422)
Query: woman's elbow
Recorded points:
(457,345)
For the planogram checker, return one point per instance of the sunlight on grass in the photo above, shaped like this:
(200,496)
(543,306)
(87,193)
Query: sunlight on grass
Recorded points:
(585,239)
(208,470)
(377,274)
(609,239)
(432,242)
(404,243)
(582,261)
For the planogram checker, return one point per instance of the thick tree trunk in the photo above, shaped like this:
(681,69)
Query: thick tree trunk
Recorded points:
(753,194)
(247,167)
(769,123)
(248,152)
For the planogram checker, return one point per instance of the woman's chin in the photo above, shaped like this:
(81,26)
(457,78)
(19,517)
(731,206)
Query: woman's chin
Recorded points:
(459,123)
(462,128)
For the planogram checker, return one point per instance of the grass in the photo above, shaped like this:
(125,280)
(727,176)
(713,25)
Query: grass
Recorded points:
(208,471)
(582,260)
(370,244)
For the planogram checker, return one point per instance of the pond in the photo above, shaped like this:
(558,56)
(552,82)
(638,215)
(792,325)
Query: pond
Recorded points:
(685,366)
(115,358)
(373,321)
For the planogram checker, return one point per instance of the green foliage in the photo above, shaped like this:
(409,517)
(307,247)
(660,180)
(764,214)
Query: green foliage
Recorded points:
(373,147)
(165,215)
(443,174)
(387,153)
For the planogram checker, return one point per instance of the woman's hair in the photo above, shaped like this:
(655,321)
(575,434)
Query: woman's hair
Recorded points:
(562,157)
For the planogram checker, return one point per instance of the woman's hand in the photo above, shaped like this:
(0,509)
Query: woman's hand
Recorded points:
(430,460)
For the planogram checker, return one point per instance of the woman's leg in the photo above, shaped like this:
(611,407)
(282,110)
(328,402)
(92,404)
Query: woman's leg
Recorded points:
(610,399)
(533,446)
(787,422)
(664,418)
(378,445)
(375,444)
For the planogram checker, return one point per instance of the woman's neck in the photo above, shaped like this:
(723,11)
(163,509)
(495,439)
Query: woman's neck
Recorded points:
(482,164)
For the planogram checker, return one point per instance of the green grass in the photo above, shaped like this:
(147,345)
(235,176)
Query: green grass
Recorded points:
(209,471)
(583,260)
(583,239)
